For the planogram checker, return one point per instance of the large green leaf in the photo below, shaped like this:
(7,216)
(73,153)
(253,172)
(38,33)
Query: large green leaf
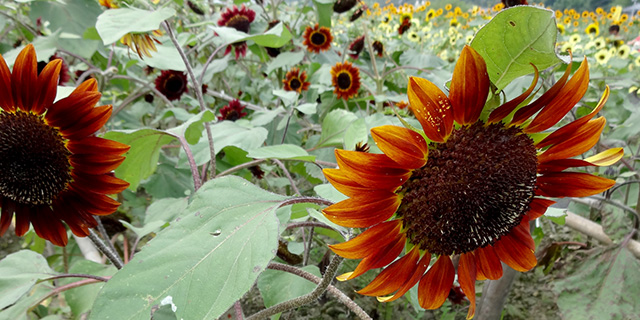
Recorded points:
(606,285)
(115,23)
(513,39)
(334,126)
(81,299)
(282,151)
(324,10)
(204,261)
(192,129)
(275,37)
(142,158)
(19,272)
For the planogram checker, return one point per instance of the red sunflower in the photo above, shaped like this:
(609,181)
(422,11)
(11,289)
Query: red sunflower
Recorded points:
(64,69)
(317,38)
(233,111)
(296,81)
(355,48)
(172,84)
(378,47)
(239,19)
(52,167)
(465,186)
(346,80)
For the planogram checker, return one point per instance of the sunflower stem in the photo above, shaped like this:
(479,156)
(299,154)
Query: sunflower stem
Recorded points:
(197,183)
(111,255)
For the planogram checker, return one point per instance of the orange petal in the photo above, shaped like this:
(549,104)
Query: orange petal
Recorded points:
(524,113)
(8,208)
(369,241)
(558,135)
(23,79)
(431,107)
(6,96)
(563,102)
(91,202)
(488,263)
(364,211)
(68,111)
(467,278)
(521,232)
(515,253)
(372,170)
(88,85)
(97,145)
(423,264)
(435,285)
(469,86)
(88,124)
(504,110)
(572,184)
(606,158)
(538,207)
(576,142)
(344,184)
(47,227)
(378,259)
(48,84)
(22,220)
(404,146)
(95,164)
(102,183)
(394,276)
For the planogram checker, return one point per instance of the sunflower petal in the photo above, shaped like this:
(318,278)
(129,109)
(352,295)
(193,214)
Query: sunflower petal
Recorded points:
(538,207)
(363,211)
(23,79)
(515,253)
(606,158)
(48,84)
(431,107)
(369,241)
(402,145)
(394,276)
(563,102)
(488,262)
(68,111)
(95,164)
(22,219)
(469,86)
(572,184)
(102,183)
(423,264)
(89,124)
(504,110)
(344,184)
(97,145)
(379,259)
(8,208)
(435,285)
(521,232)
(372,170)
(467,278)
(6,96)
(575,143)
(48,228)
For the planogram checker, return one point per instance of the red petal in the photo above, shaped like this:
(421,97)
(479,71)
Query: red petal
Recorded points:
(504,110)
(86,86)
(8,208)
(6,96)
(431,107)
(23,79)
(96,145)
(68,111)
(48,226)
(372,170)
(22,219)
(423,264)
(369,241)
(88,124)
(402,145)
(469,86)
(521,233)
(515,253)
(488,262)
(344,184)
(101,183)
(467,278)
(572,184)
(576,142)
(378,259)
(538,207)
(563,102)
(394,276)
(48,86)
(91,202)
(95,164)
(436,283)
(363,211)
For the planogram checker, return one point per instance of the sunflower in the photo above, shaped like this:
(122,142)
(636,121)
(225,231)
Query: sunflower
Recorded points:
(52,167)
(341,6)
(142,43)
(233,111)
(575,38)
(355,48)
(430,14)
(600,43)
(378,47)
(386,19)
(448,7)
(172,84)
(404,27)
(468,189)
(405,16)
(561,28)
(346,80)
(637,61)
(108,4)
(513,3)
(317,38)
(239,19)
(413,36)
(593,29)
(64,69)
(296,81)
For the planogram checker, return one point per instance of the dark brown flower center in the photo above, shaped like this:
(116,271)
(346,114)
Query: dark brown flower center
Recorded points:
(318,39)
(474,189)
(34,162)
(174,84)
(295,84)
(344,81)
(239,22)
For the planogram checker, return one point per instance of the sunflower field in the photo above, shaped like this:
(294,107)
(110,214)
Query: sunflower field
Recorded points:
(319,159)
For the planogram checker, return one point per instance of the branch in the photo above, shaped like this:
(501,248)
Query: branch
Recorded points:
(595,231)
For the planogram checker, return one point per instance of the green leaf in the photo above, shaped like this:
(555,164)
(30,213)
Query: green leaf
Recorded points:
(239,134)
(115,23)
(285,59)
(557,215)
(81,299)
(205,261)
(192,128)
(606,285)
(334,126)
(278,286)
(282,151)
(357,132)
(288,97)
(307,108)
(19,272)
(142,158)
(165,210)
(275,37)
(324,9)
(514,38)
(21,310)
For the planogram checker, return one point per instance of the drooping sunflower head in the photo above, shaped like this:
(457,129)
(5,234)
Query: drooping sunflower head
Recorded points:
(467,184)
(142,43)
(237,18)
(233,111)
(172,84)
(346,80)
(378,47)
(341,6)
(317,39)
(356,46)
(296,81)
(52,166)
(404,26)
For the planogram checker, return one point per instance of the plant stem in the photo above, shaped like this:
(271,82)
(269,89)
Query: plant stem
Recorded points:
(197,183)
(112,256)
(286,173)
